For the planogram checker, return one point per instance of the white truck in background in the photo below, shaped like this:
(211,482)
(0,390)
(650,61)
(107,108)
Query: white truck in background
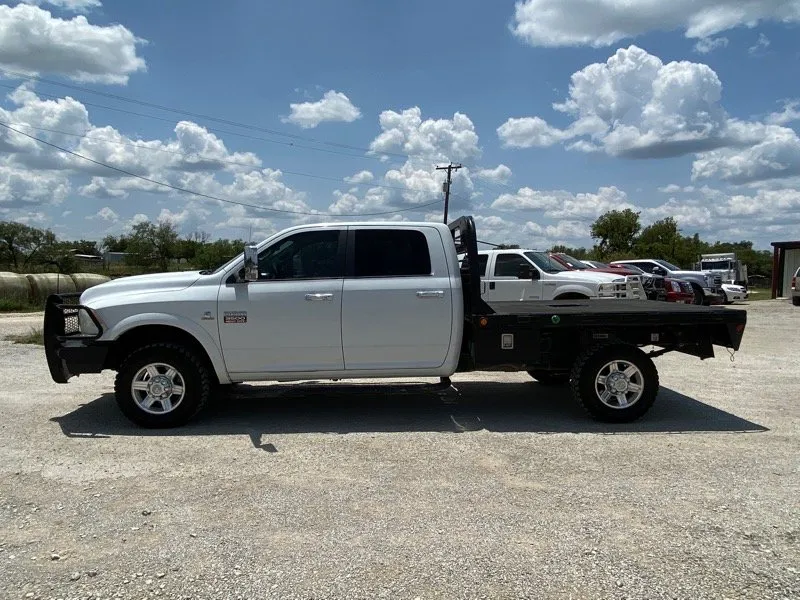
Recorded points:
(725,265)
(521,274)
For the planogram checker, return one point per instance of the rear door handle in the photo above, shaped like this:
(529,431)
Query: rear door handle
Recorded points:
(430,294)
(316,297)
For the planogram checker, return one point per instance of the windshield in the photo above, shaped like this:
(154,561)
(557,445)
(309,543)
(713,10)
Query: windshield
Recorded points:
(598,265)
(715,265)
(669,266)
(633,268)
(574,262)
(545,263)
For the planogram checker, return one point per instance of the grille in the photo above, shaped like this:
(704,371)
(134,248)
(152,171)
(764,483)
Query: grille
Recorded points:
(717,280)
(72,324)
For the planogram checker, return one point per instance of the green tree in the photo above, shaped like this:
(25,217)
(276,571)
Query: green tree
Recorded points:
(616,231)
(112,243)
(153,244)
(21,245)
(579,253)
(661,240)
(214,254)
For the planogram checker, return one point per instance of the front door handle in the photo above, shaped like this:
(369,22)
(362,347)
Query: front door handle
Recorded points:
(430,294)
(322,297)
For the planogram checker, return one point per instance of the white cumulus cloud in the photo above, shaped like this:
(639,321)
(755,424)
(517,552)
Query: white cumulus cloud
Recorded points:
(77,6)
(500,174)
(107,214)
(34,41)
(601,23)
(360,177)
(706,45)
(334,106)
(560,204)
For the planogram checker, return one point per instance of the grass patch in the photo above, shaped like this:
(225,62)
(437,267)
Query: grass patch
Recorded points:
(34,336)
(756,295)
(18,305)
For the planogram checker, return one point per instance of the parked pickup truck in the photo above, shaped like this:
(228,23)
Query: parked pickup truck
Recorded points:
(362,300)
(707,288)
(519,274)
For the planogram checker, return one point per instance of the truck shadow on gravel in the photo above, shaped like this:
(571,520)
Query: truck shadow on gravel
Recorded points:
(263,410)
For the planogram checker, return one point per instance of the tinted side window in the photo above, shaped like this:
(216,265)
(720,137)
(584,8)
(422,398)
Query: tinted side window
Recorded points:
(307,255)
(647,267)
(483,260)
(391,253)
(507,265)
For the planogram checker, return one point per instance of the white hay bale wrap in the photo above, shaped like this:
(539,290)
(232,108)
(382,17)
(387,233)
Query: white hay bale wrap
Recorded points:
(83,281)
(14,286)
(44,284)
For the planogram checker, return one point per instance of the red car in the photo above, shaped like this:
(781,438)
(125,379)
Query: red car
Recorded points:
(678,291)
(574,264)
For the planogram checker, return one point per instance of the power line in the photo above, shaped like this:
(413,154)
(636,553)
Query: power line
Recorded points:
(209,196)
(192,114)
(133,144)
(213,129)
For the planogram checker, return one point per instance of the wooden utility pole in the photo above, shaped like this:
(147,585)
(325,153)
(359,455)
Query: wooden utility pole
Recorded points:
(449,168)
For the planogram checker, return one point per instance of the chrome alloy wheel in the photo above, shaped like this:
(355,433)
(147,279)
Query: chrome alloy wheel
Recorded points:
(619,384)
(158,388)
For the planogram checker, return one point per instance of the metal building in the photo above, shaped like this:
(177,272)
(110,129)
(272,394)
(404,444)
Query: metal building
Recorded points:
(785,261)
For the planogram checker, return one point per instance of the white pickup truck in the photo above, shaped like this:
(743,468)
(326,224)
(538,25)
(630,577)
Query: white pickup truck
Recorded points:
(519,274)
(348,300)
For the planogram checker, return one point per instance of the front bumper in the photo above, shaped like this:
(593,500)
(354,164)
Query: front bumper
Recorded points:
(68,351)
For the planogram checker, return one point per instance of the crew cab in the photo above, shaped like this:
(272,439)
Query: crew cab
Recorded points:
(519,274)
(707,287)
(361,300)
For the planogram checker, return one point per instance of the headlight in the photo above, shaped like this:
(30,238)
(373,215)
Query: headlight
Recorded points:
(676,287)
(86,324)
(605,289)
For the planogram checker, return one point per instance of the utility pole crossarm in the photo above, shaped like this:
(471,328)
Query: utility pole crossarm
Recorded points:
(449,168)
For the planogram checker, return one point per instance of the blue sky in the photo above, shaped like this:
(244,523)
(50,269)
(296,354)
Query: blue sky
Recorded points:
(558,109)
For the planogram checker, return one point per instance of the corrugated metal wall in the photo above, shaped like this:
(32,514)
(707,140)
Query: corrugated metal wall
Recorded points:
(789,267)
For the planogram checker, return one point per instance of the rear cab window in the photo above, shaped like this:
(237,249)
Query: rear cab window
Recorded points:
(391,253)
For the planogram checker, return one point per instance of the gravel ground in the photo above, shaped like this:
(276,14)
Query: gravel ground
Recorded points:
(501,489)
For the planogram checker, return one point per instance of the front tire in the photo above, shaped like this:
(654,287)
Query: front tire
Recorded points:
(162,385)
(550,378)
(699,294)
(796,300)
(615,384)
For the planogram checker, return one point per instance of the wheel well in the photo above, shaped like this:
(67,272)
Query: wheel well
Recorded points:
(572,296)
(153,334)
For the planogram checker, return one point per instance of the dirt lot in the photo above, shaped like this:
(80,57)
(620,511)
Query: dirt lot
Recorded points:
(501,489)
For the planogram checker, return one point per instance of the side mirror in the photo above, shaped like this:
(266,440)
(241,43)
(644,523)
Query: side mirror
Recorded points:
(251,262)
(659,271)
(527,272)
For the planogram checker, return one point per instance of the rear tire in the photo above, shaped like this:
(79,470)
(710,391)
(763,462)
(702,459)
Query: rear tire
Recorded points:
(549,378)
(796,300)
(619,398)
(162,385)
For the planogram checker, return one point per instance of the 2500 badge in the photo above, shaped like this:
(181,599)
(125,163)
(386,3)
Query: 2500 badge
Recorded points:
(234,317)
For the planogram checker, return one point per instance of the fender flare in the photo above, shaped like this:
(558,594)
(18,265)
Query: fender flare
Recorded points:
(573,288)
(190,327)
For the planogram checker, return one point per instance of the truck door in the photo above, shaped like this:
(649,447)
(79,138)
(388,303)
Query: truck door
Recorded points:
(504,282)
(397,310)
(290,319)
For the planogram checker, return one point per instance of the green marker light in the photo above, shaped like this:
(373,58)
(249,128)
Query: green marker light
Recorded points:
(555,319)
